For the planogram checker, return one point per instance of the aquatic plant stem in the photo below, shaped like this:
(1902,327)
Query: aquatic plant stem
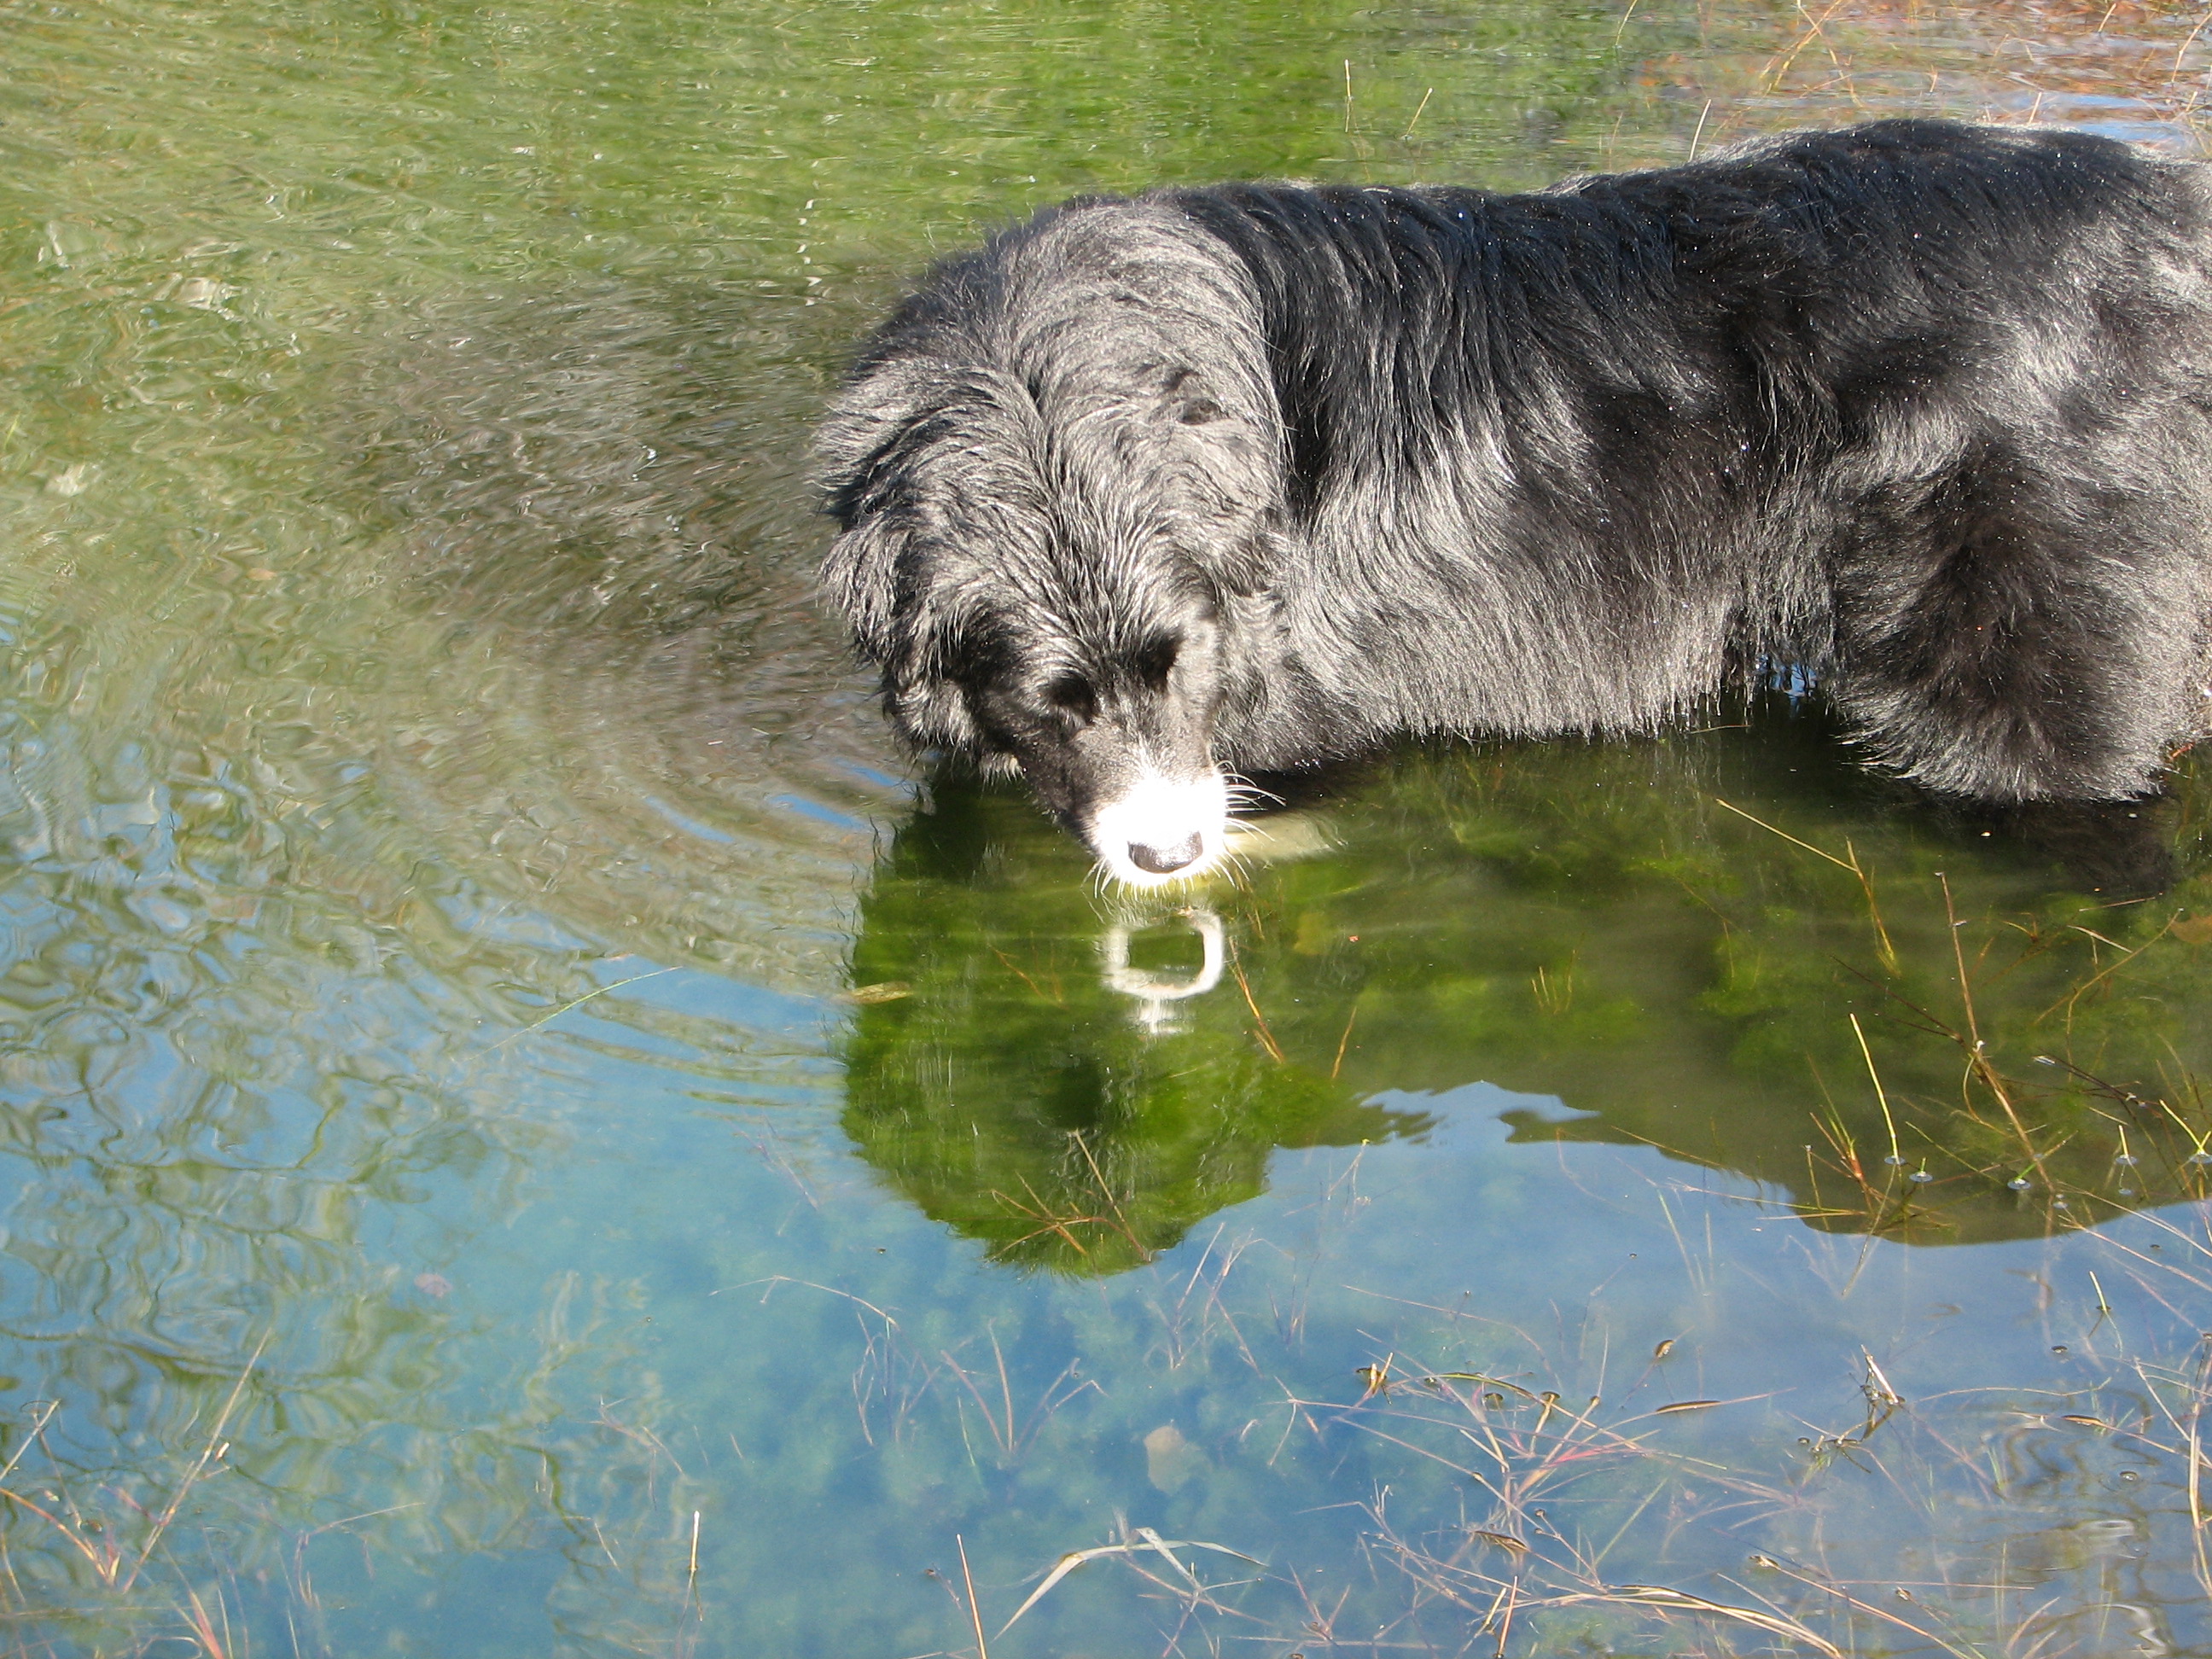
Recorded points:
(1337,1065)
(1771,77)
(1887,950)
(974,1613)
(537,1024)
(1266,1037)
(2074,996)
(2196,1488)
(1423,105)
(207,1452)
(1977,1058)
(1889,1122)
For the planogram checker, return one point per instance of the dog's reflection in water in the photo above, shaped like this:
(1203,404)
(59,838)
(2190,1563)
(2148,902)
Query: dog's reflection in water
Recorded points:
(1158,994)
(1272,838)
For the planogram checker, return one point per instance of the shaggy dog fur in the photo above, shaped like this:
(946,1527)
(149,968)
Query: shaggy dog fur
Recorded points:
(1252,477)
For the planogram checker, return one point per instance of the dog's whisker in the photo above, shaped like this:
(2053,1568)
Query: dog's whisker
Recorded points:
(1241,789)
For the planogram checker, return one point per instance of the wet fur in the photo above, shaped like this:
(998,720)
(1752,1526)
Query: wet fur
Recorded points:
(1253,476)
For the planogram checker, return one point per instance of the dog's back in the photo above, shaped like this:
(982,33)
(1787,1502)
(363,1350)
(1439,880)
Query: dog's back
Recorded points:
(1885,402)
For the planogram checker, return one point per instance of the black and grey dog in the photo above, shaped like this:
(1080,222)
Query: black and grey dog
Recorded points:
(1242,478)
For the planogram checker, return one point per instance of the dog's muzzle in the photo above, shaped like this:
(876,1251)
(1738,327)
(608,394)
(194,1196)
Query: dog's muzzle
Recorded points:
(1161,829)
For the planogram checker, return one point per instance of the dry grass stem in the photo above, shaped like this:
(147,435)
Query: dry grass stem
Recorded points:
(1139,1538)
(974,1611)
(1260,1020)
(207,1454)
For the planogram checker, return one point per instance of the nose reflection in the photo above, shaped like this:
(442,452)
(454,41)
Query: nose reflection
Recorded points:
(1156,995)
(1164,861)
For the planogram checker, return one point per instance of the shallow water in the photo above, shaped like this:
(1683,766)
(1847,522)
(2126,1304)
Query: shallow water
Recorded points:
(527,1130)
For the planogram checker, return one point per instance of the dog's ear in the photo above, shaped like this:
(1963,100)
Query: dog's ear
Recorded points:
(857,437)
(860,578)
(858,446)
(933,714)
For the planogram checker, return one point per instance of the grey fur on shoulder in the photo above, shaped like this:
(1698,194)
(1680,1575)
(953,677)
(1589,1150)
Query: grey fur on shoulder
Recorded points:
(1150,492)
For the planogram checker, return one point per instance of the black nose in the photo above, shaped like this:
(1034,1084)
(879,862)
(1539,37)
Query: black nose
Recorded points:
(1164,861)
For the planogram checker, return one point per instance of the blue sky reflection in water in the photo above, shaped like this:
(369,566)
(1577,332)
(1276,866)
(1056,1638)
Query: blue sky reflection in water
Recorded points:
(525,1131)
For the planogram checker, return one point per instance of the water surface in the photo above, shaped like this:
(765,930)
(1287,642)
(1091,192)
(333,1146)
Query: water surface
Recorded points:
(529,1128)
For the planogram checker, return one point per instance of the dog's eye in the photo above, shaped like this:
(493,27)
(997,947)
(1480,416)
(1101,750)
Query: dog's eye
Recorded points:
(1072,693)
(1157,660)
(1199,411)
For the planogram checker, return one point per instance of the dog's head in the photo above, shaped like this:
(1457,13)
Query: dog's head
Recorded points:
(1057,470)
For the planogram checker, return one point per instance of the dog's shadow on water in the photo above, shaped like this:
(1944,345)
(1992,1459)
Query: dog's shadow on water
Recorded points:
(1668,935)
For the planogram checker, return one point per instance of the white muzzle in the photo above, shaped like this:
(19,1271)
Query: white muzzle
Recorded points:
(1162,830)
